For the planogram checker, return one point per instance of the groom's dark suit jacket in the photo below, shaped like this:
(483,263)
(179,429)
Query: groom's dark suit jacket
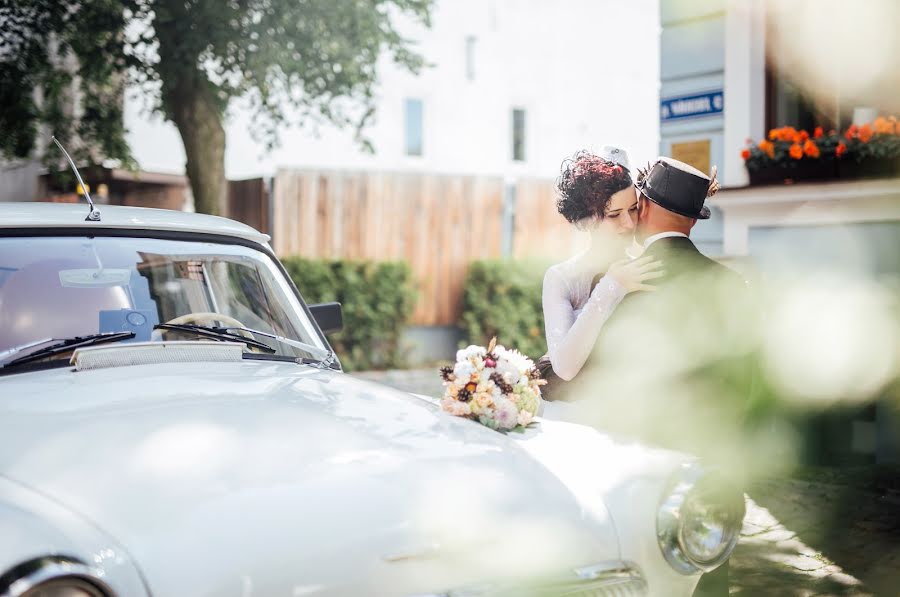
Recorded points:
(676,362)
(682,258)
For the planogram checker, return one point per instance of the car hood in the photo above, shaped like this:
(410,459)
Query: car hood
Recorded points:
(273,478)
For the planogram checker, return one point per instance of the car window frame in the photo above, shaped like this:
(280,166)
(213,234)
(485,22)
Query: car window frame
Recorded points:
(179,235)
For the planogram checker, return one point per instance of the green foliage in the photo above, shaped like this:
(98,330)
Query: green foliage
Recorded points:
(294,61)
(37,38)
(377,300)
(503,299)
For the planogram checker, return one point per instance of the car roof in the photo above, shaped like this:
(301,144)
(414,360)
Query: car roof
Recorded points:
(72,215)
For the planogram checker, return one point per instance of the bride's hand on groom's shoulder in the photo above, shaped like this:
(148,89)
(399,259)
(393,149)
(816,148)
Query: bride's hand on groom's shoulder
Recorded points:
(633,274)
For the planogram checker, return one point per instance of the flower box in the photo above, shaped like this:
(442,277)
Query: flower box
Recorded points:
(802,170)
(870,168)
(787,155)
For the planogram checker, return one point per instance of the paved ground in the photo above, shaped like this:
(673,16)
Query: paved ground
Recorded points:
(819,538)
(417,381)
(832,533)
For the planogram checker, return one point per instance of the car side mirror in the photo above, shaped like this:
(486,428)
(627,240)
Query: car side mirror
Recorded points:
(329,316)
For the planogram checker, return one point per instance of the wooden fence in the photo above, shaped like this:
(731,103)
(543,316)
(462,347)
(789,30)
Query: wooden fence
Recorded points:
(436,223)
(248,202)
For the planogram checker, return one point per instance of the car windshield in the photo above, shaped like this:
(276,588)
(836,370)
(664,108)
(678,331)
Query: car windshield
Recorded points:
(53,288)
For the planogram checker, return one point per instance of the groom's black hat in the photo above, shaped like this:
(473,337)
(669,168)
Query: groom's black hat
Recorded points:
(677,187)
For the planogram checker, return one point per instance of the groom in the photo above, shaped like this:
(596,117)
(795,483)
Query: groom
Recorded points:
(683,342)
(677,351)
(671,366)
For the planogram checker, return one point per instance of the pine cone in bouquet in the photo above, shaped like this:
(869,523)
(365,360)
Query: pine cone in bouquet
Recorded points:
(496,386)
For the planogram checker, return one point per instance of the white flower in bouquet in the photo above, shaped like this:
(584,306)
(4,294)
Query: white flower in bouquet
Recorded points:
(470,352)
(463,372)
(525,418)
(509,372)
(515,358)
(505,413)
(456,408)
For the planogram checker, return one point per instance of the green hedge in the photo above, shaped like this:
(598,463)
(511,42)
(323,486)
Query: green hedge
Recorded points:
(377,300)
(503,299)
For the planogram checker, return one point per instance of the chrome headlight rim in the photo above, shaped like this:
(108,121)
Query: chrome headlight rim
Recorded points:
(50,571)
(670,521)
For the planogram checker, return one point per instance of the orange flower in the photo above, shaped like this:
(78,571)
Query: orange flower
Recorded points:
(811,149)
(840,150)
(745,154)
(796,152)
(852,131)
(818,133)
(768,148)
(804,136)
(885,126)
(785,133)
(791,134)
(865,133)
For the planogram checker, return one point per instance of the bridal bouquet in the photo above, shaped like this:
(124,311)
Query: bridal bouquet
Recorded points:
(496,386)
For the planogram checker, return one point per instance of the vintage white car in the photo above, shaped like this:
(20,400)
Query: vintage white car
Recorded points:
(173,422)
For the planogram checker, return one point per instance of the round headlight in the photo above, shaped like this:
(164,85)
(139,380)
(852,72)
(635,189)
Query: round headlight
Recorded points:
(65,587)
(53,577)
(699,520)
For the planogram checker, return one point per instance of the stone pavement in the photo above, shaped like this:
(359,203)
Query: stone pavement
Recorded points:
(814,538)
(827,536)
(417,381)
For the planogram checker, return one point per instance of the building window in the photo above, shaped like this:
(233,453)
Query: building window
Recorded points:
(413,127)
(518,134)
(787,104)
(470,57)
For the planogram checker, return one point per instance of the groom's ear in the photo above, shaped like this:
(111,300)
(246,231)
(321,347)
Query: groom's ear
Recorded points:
(642,206)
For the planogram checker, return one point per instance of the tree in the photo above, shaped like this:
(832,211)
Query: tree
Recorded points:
(313,59)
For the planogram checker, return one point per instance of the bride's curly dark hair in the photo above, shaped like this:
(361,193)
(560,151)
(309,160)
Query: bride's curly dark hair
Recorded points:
(586,184)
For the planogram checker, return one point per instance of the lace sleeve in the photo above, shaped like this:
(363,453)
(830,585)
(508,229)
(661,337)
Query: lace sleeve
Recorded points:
(570,340)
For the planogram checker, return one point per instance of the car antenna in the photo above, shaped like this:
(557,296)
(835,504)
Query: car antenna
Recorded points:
(94,214)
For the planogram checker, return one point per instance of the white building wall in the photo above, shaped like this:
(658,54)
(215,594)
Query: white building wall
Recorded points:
(693,62)
(585,71)
(19,181)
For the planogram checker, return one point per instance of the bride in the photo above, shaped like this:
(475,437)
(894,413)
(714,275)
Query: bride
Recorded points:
(596,195)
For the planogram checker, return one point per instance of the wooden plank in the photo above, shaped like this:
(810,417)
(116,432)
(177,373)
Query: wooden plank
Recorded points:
(335,215)
(277,217)
(323,217)
(352,206)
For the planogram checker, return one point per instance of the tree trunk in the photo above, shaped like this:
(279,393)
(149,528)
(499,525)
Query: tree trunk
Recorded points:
(189,100)
(199,121)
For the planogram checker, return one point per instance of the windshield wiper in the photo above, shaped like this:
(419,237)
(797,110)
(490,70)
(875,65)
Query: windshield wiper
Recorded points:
(67,345)
(215,333)
(325,361)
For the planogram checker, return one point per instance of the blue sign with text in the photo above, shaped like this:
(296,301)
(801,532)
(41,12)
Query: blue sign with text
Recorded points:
(691,106)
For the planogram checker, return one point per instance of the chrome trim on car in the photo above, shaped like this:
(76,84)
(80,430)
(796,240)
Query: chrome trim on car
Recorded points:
(34,573)
(622,579)
(670,526)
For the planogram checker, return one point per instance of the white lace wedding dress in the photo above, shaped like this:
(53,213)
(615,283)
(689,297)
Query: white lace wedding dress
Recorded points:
(574,314)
